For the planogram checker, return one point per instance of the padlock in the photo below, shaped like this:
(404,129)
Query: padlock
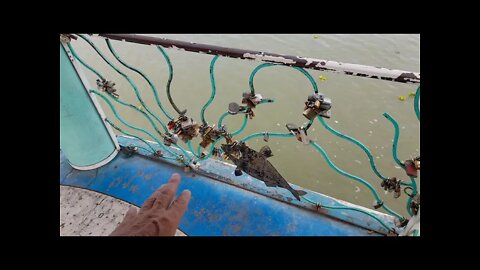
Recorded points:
(265,136)
(398,189)
(233,108)
(107,86)
(415,204)
(185,127)
(251,100)
(417,163)
(310,113)
(171,124)
(170,139)
(300,133)
(130,150)
(377,204)
(215,152)
(209,135)
(410,168)
(158,153)
(294,130)
(317,104)
(250,113)
(303,136)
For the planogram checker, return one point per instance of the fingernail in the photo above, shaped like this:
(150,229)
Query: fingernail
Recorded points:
(161,186)
(186,192)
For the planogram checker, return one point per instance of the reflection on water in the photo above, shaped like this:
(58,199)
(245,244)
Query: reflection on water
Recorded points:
(357,103)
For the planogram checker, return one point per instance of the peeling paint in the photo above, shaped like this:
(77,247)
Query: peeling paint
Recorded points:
(311,63)
(177,48)
(268,58)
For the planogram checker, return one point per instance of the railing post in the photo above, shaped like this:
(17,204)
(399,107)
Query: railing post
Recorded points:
(85,139)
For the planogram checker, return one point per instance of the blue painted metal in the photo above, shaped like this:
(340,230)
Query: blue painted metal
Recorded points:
(221,203)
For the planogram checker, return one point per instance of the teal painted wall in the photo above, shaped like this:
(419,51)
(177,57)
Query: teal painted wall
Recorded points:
(84,139)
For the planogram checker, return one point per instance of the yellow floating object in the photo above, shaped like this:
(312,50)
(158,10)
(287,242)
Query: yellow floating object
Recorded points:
(402,98)
(316,36)
(412,94)
(322,78)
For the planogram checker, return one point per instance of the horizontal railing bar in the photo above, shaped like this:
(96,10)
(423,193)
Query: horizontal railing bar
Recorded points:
(371,72)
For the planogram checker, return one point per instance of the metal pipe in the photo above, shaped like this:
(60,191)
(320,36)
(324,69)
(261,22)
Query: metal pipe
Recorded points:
(282,59)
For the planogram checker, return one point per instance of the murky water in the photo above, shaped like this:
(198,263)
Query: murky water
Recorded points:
(357,103)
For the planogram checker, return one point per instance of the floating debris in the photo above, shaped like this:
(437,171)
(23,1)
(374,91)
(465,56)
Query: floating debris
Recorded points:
(401,98)
(316,36)
(370,122)
(336,122)
(357,189)
(375,120)
(377,157)
(397,167)
(412,94)
(358,161)
(371,132)
(278,124)
(335,156)
(322,78)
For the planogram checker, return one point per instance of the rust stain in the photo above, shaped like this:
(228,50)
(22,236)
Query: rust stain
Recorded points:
(115,183)
(291,227)
(199,213)
(134,188)
(236,228)
(213,217)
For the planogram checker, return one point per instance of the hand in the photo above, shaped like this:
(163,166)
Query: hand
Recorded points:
(158,216)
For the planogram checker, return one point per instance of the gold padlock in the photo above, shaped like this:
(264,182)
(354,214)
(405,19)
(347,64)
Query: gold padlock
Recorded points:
(417,164)
(309,113)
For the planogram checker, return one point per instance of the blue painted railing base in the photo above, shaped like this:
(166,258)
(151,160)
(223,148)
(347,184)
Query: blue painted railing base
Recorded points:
(216,207)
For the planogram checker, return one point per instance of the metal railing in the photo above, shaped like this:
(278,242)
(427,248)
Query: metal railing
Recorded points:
(185,128)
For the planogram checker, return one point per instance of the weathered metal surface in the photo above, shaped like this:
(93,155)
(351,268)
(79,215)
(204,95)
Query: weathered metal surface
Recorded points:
(371,72)
(218,206)
(88,213)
